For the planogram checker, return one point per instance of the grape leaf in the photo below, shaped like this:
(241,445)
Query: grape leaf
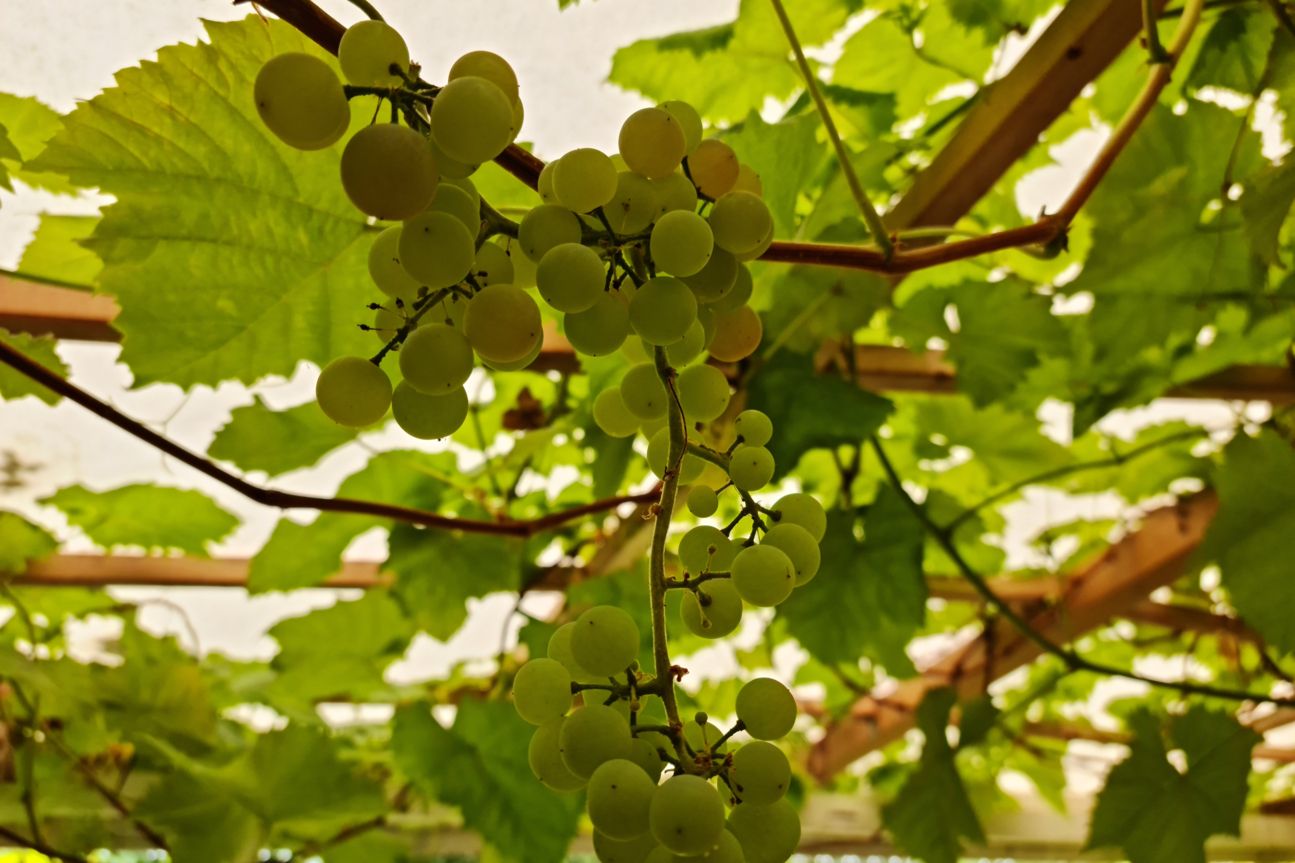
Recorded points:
(374,626)
(1234,51)
(200,826)
(1158,814)
(1003,329)
(7,152)
(29,124)
(56,254)
(39,348)
(786,155)
(1265,205)
(480,766)
(148,516)
(880,58)
(22,542)
(258,437)
(271,254)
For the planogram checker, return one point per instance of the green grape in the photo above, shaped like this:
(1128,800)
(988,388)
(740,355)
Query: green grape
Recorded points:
(750,467)
(519,117)
(681,243)
(766,708)
(760,248)
(354,392)
(436,359)
(472,120)
(605,640)
(385,269)
(584,179)
(458,203)
(748,181)
(571,277)
(542,691)
(636,850)
(643,752)
(448,167)
(740,222)
(768,834)
(612,416)
(300,100)
(492,266)
(388,171)
(705,548)
(468,188)
(652,142)
(386,323)
(650,427)
(703,736)
(713,611)
(658,452)
(455,309)
(739,295)
(702,501)
(753,427)
(801,549)
(637,351)
(643,392)
(559,648)
(706,317)
(503,323)
(763,575)
(737,335)
(619,796)
(714,168)
(367,52)
(727,850)
(689,122)
(662,310)
(436,249)
(545,758)
(428,417)
(488,65)
(517,365)
(703,392)
(523,267)
(801,509)
(687,815)
(591,736)
(544,184)
(761,774)
(716,279)
(661,854)
(544,227)
(634,205)
(600,329)
(689,348)
(675,192)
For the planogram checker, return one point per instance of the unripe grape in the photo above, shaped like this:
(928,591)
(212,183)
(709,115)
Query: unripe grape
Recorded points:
(472,119)
(428,417)
(600,329)
(727,850)
(385,268)
(492,266)
(760,248)
(716,616)
(652,142)
(801,509)
(387,322)
(637,351)
(517,365)
(748,181)
(766,708)
(740,222)
(584,179)
(705,548)
(737,335)
(750,467)
(753,427)
(643,752)
(544,184)
(559,649)
(354,392)
(675,192)
(687,815)
(706,317)
(605,640)
(488,65)
(503,323)
(716,279)
(367,52)
(519,116)
(542,691)
(450,167)
(571,277)
(300,100)
(545,758)
(681,243)
(689,348)
(388,171)
(768,834)
(634,205)
(612,416)
(458,203)
(436,249)
(801,549)
(689,122)
(763,575)
(703,393)
(703,736)
(636,850)
(658,452)
(738,295)
(436,359)
(592,736)
(643,392)
(702,501)
(619,796)
(761,773)
(713,167)
(468,188)
(662,310)
(544,227)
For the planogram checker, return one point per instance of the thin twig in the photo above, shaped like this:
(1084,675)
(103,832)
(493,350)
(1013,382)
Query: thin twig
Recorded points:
(40,847)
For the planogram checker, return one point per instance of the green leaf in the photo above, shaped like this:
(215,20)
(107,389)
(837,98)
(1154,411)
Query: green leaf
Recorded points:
(258,437)
(1234,51)
(272,253)
(56,252)
(786,155)
(1003,329)
(1256,488)
(30,124)
(22,542)
(1007,446)
(1158,814)
(480,766)
(932,813)
(39,348)
(1265,205)
(201,827)
(438,571)
(148,516)
(373,626)
(854,414)
(880,58)
(869,597)
(7,151)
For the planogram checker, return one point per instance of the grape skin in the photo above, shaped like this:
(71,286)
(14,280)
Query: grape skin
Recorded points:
(702,501)
(458,203)
(801,549)
(690,347)
(688,119)
(488,65)
(584,180)
(750,467)
(436,249)
(687,815)
(658,452)
(436,359)
(544,227)
(662,310)
(428,417)
(763,575)
(738,295)
(652,143)
(605,640)
(367,52)
(388,171)
(713,281)
(619,796)
(681,243)
(600,329)
(634,204)
(545,758)
(542,691)
(353,392)
(299,98)
(766,708)
(643,392)
(493,266)
(737,335)
(740,222)
(705,548)
(753,427)
(385,268)
(760,773)
(592,735)
(472,120)
(802,509)
(570,277)
(716,619)
(768,834)
(636,850)
(612,416)
(503,324)
(703,392)
(714,168)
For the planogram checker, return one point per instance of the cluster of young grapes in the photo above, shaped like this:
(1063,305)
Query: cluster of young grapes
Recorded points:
(605,747)
(642,248)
